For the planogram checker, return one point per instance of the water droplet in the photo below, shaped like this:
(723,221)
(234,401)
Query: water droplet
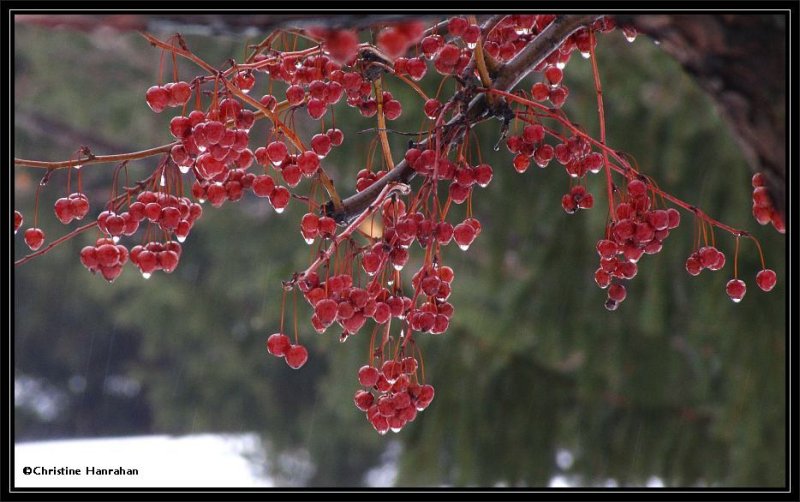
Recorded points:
(184,169)
(398,266)
(279,210)
(115,239)
(309,240)
(630,38)
(586,55)
(146,275)
(736,300)
(163,181)
(201,148)
(201,200)
(245,91)
(560,65)
(657,42)
(382,432)
(78,166)
(463,247)
(181,238)
(390,282)
(471,46)
(396,429)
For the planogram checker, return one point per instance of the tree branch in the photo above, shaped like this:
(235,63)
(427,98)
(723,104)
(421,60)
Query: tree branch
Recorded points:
(96,159)
(478,110)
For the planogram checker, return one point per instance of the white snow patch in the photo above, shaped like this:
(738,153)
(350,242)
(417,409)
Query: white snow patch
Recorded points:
(194,461)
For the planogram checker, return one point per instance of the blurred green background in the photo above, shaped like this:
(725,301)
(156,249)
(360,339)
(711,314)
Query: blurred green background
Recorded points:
(535,379)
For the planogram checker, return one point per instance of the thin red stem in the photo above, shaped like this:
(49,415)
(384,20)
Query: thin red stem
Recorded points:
(625,171)
(602,118)
(55,243)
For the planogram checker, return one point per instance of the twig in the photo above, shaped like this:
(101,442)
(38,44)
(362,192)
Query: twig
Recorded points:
(95,159)
(345,234)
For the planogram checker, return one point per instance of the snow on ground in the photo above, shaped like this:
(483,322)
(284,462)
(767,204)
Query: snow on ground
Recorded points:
(195,461)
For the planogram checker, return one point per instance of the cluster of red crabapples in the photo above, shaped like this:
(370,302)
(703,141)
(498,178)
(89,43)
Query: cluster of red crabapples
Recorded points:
(172,215)
(73,207)
(638,229)
(172,94)
(530,145)
(763,210)
(106,257)
(462,176)
(392,397)
(279,345)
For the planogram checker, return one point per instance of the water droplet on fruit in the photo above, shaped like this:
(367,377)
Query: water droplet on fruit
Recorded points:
(586,55)
(115,239)
(736,300)
(245,91)
(396,429)
(184,169)
(471,46)
(561,65)
(201,148)
(279,210)
(630,38)
(463,247)
(309,240)
(146,275)
(181,238)
(78,166)
(398,266)
(382,432)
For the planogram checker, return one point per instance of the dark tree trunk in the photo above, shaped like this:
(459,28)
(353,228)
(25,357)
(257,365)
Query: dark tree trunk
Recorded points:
(740,60)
